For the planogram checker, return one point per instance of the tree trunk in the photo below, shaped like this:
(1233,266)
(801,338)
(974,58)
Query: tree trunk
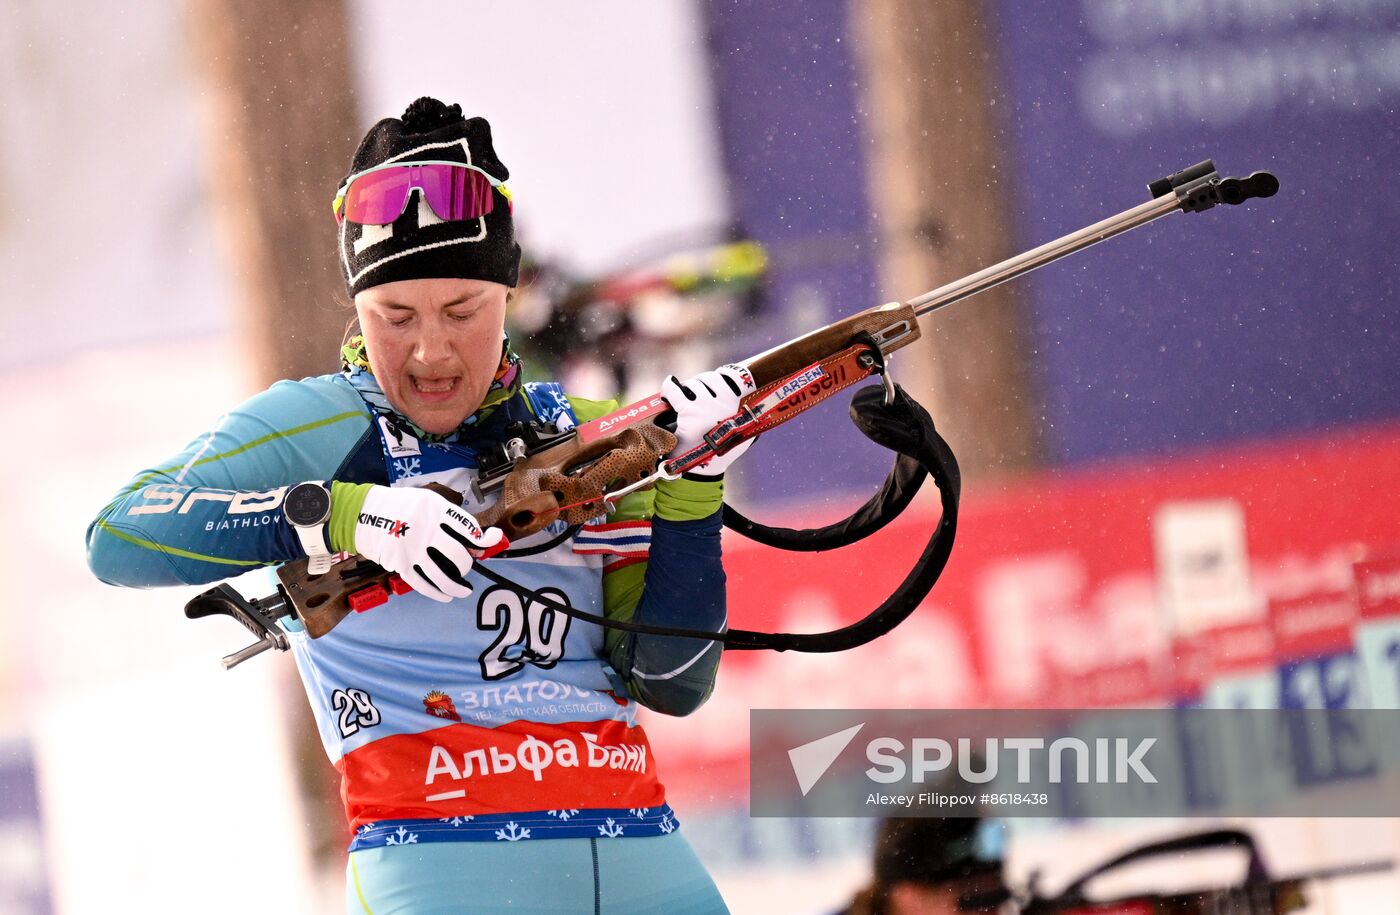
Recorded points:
(280,128)
(942,196)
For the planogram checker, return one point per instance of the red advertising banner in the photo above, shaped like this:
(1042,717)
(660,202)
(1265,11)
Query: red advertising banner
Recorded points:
(1378,587)
(1319,623)
(1051,597)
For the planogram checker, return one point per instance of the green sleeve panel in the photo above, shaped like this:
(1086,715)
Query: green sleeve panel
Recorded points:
(586,410)
(688,500)
(622,591)
(347,499)
(673,597)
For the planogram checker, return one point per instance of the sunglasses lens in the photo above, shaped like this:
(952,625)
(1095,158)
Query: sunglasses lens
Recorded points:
(377,199)
(455,192)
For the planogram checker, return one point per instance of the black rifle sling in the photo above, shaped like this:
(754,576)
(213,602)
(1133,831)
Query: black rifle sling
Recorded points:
(894,495)
(904,427)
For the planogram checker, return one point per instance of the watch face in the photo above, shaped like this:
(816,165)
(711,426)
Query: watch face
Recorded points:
(307,504)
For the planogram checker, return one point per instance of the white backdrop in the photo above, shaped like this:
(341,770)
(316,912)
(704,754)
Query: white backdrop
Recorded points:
(601,111)
(156,767)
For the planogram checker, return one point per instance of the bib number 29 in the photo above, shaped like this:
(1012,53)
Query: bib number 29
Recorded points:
(356,710)
(529,634)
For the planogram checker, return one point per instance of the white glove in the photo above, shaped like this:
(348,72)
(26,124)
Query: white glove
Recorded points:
(703,401)
(422,536)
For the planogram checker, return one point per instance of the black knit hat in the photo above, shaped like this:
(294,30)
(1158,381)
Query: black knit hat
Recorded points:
(419,245)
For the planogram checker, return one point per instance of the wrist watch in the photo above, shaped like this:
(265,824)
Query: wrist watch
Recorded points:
(307,508)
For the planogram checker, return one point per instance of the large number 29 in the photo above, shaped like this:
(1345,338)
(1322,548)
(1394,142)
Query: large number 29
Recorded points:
(356,710)
(537,629)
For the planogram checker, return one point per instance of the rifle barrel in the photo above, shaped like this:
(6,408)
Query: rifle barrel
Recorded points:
(1342,870)
(1025,262)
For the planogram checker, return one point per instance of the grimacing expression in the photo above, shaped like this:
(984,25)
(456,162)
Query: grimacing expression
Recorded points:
(434,345)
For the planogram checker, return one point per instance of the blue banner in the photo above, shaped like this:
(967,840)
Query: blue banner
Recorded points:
(1273,318)
(786,98)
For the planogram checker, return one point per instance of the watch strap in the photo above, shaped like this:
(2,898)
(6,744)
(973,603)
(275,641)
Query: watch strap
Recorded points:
(313,541)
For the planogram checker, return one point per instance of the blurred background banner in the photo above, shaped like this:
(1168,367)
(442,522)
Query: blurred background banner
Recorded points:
(1055,599)
(24,885)
(1273,322)
(1180,446)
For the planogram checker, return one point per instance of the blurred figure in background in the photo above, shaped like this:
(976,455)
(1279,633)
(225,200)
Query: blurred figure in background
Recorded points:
(934,866)
(488,745)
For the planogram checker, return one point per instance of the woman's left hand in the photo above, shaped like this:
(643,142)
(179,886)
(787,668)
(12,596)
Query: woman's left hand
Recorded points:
(703,401)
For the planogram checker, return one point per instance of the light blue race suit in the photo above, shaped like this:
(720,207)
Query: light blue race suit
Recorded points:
(492,721)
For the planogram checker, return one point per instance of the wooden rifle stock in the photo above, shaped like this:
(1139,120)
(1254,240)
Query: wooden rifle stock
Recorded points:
(571,479)
(890,326)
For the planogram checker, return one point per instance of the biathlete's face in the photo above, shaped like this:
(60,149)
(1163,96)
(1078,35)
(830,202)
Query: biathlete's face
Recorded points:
(434,345)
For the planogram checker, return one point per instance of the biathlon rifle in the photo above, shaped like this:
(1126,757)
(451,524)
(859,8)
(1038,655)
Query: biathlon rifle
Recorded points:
(1257,893)
(543,473)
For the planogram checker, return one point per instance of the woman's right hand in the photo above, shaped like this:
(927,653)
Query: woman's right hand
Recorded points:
(425,538)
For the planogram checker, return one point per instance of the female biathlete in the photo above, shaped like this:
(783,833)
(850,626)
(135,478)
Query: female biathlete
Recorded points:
(488,747)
